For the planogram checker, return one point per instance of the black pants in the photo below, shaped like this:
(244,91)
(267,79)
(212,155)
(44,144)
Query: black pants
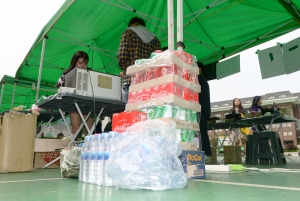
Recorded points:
(204,142)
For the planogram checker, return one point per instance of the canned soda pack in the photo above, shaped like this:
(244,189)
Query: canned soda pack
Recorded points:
(164,71)
(161,91)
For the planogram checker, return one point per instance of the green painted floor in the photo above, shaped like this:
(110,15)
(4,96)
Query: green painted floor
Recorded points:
(46,184)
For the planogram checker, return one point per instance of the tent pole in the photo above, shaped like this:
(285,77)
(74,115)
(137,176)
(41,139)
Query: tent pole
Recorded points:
(13,96)
(180,25)
(40,70)
(170,25)
(1,95)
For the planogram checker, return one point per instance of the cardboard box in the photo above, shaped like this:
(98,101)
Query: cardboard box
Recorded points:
(170,99)
(45,152)
(195,171)
(161,60)
(17,141)
(181,124)
(192,157)
(213,157)
(232,154)
(189,146)
(164,80)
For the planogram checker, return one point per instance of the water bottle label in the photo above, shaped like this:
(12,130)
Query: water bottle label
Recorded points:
(87,156)
(82,156)
(106,155)
(93,155)
(100,155)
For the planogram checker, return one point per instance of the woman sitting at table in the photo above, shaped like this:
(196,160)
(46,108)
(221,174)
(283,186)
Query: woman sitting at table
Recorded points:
(237,108)
(256,106)
(80,60)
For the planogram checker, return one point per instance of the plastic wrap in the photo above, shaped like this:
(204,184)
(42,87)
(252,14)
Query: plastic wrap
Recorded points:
(70,162)
(164,80)
(147,158)
(297,122)
(165,58)
(168,99)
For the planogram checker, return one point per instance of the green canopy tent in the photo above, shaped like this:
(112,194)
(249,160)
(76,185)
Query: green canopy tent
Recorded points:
(213,30)
(20,92)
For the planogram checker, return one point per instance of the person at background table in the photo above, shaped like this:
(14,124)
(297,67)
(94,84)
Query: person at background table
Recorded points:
(137,42)
(237,108)
(203,116)
(80,60)
(256,106)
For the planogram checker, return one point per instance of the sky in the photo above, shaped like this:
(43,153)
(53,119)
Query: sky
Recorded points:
(22,21)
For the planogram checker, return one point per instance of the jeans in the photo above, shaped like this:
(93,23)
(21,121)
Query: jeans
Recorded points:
(126,89)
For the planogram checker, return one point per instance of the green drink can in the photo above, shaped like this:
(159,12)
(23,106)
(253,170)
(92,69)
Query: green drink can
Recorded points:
(163,111)
(194,117)
(184,135)
(151,112)
(175,112)
(188,115)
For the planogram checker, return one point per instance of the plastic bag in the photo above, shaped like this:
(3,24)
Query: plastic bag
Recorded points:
(147,158)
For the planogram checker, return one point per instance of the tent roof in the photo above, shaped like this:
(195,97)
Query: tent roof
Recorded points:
(213,29)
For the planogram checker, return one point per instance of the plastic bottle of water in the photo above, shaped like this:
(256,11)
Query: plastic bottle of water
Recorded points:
(93,159)
(100,157)
(107,153)
(82,159)
(85,150)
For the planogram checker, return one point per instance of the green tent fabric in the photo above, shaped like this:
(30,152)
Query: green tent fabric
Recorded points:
(24,93)
(213,30)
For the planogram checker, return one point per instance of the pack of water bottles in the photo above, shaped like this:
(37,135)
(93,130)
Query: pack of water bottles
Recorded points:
(146,157)
(95,153)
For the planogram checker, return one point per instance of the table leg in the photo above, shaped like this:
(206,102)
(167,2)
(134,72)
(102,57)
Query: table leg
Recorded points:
(42,129)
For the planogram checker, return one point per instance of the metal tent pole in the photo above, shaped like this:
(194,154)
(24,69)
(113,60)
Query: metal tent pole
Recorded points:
(180,25)
(1,95)
(170,25)
(40,70)
(13,96)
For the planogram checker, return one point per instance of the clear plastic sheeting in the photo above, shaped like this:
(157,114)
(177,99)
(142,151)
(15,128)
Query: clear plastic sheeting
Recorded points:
(297,122)
(70,162)
(147,158)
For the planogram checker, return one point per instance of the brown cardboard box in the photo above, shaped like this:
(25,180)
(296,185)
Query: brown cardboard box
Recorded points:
(45,152)
(190,146)
(232,154)
(164,80)
(170,99)
(181,124)
(17,141)
(213,157)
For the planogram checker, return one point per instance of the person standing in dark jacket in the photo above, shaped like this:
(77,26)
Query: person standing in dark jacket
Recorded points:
(203,116)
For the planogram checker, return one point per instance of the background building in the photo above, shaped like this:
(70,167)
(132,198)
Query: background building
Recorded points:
(285,100)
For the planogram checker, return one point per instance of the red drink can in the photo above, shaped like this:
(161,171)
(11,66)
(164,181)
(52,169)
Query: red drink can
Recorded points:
(185,74)
(185,94)
(149,75)
(132,97)
(193,78)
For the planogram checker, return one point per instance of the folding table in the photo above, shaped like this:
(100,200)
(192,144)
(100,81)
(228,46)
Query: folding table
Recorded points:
(66,102)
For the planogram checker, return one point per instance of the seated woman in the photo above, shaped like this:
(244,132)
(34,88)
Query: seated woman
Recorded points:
(237,108)
(80,60)
(256,106)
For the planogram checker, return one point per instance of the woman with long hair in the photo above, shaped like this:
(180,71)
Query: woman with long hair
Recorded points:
(80,60)
(237,107)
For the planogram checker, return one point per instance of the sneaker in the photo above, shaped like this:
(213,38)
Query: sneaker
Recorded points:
(207,159)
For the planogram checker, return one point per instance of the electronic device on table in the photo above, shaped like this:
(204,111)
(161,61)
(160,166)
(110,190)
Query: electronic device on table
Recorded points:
(94,84)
